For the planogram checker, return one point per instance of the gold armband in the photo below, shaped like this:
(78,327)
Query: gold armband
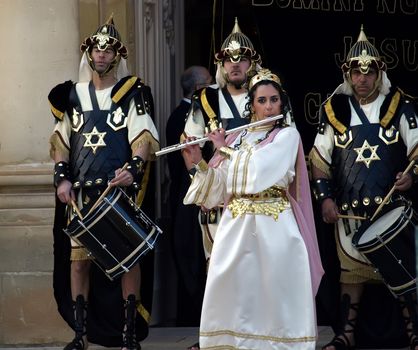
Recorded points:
(202,165)
(226,152)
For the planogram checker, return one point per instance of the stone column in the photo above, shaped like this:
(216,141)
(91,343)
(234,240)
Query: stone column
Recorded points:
(39,50)
(160,62)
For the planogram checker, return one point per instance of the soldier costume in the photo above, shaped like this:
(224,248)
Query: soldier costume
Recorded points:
(98,130)
(213,107)
(360,149)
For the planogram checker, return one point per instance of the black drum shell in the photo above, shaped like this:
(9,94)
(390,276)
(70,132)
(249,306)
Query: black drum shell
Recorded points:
(116,234)
(391,251)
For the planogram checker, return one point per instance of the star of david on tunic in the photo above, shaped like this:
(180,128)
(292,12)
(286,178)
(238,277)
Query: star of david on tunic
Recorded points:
(366,148)
(99,139)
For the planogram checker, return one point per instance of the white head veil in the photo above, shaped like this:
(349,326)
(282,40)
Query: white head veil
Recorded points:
(85,73)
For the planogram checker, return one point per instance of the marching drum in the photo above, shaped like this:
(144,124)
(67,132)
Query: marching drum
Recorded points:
(116,233)
(388,242)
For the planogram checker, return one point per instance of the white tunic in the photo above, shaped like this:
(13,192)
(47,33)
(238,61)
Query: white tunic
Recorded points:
(258,293)
(135,124)
(195,123)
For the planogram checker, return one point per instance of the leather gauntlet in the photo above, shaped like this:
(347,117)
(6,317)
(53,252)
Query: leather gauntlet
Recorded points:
(61,172)
(137,168)
(323,188)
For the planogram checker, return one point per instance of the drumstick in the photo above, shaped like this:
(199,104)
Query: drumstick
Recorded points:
(379,208)
(105,192)
(341,216)
(76,209)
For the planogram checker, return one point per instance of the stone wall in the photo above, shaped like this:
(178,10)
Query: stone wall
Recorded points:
(41,50)
(28,311)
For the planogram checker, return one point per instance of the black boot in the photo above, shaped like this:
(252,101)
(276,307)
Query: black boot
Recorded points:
(129,330)
(80,321)
(346,327)
(408,304)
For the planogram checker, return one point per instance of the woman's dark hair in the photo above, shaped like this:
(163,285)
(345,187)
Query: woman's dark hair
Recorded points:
(283,97)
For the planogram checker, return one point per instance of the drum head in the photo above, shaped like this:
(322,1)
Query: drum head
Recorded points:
(380,225)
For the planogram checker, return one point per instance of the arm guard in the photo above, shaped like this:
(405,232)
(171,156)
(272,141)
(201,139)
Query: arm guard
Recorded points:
(61,172)
(137,168)
(323,188)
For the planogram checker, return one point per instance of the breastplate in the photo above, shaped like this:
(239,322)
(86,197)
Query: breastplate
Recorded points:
(99,143)
(366,159)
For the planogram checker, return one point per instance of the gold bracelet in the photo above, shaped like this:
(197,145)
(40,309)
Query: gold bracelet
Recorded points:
(202,166)
(226,152)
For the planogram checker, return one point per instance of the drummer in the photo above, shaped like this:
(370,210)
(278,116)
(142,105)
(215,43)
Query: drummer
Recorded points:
(103,122)
(367,136)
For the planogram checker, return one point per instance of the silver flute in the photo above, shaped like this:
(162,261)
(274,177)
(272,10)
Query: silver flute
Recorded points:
(179,146)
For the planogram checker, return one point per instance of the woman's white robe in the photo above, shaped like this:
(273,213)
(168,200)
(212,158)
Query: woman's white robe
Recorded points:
(258,294)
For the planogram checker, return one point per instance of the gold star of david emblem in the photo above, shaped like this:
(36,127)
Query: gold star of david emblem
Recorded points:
(99,139)
(369,149)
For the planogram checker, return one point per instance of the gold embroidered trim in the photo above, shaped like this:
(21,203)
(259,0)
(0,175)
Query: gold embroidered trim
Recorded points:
(211,179)
(208,110)
(318,162)
(255,336)
(57,113)
(144,313)
(124,89)
(359,275)
(57,145)
(414,153)
(198,192)
(270,202)
(143,138)
(245,172)
(235,174)
(79,253)
(353,271)
(333,120)
(202,194)
(391,110)
(202,166)
(226,152)
(207,239)
(144,185)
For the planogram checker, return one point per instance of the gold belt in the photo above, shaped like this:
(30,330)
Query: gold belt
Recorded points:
(270,202)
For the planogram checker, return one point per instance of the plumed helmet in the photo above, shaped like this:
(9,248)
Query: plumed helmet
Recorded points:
(106,36)
(237,45)
(363,55)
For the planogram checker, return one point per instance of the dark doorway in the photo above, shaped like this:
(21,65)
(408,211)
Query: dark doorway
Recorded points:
(306,41)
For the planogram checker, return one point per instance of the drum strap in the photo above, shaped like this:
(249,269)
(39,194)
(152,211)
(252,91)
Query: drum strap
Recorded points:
(237,120)
(359,111)
(93,96)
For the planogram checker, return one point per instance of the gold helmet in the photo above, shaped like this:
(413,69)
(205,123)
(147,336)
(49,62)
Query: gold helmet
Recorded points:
(104,37)
(236,46)
(363,55)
